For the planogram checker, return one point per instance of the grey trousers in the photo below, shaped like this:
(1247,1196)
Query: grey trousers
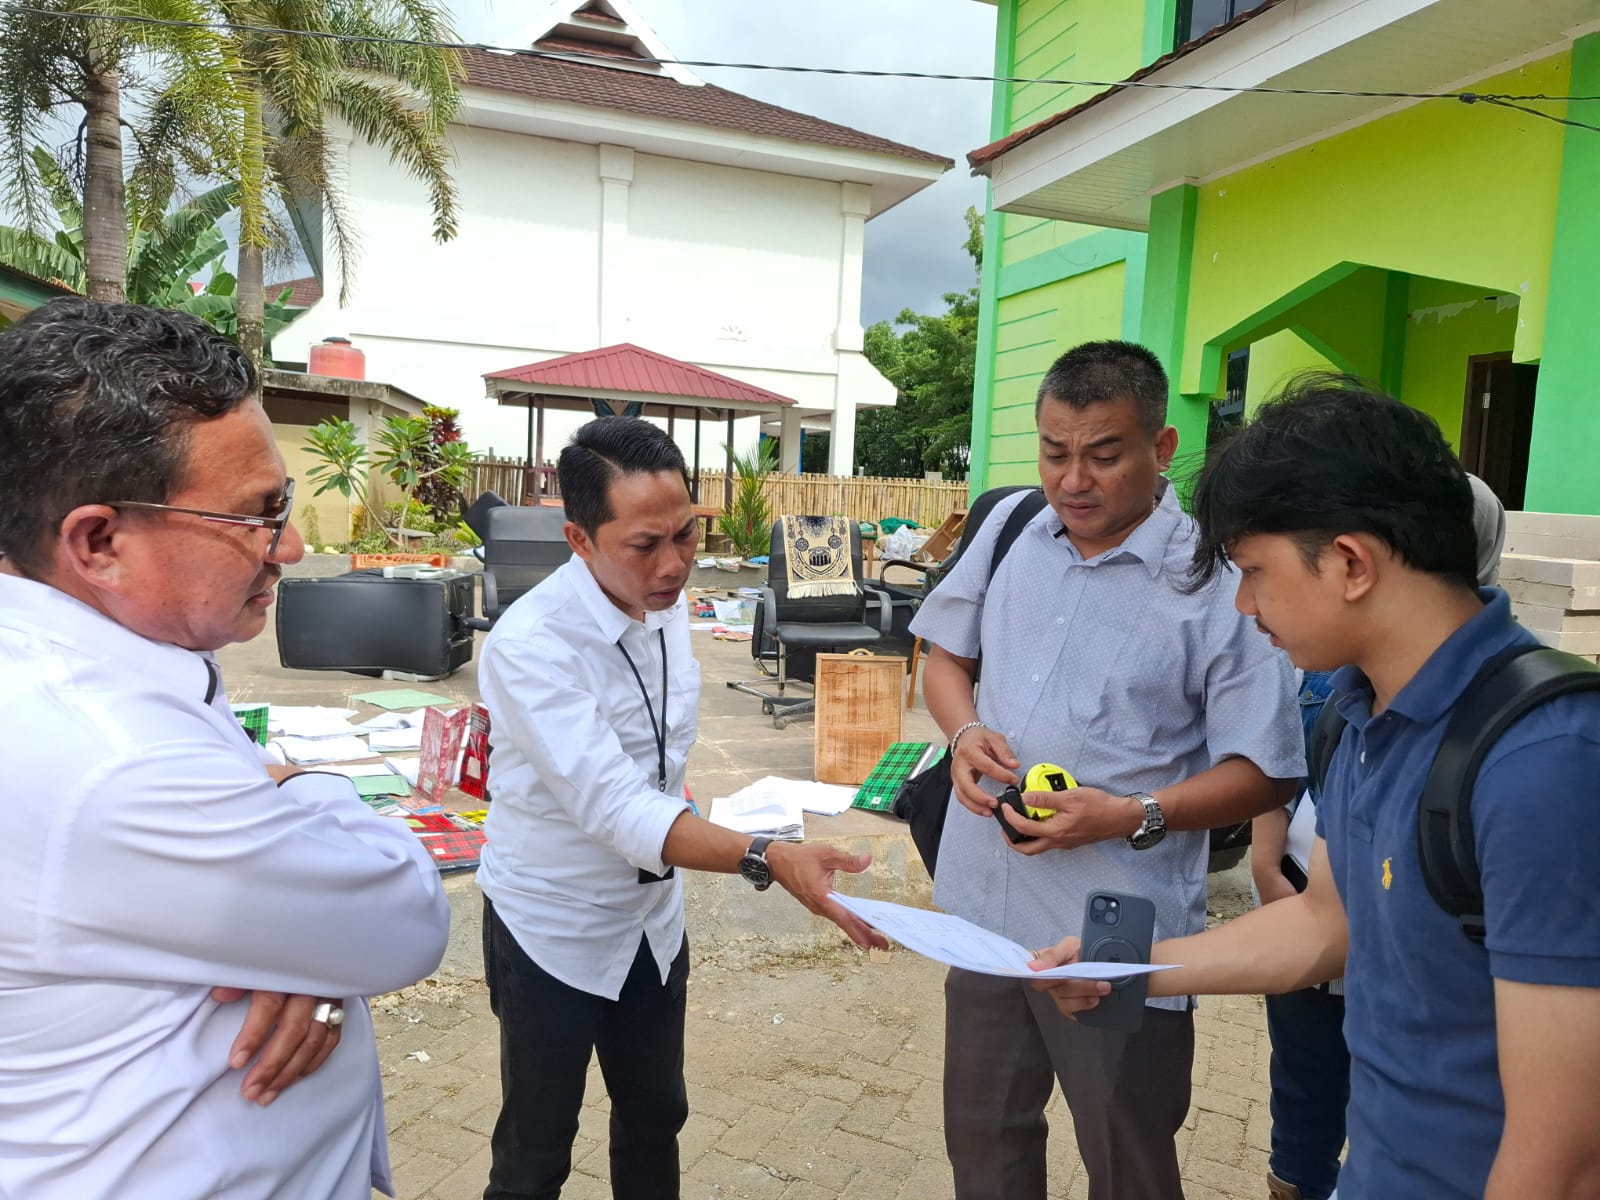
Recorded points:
(1006,1045)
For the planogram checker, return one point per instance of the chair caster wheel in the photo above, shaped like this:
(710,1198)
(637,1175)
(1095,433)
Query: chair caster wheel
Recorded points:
(780,723)
(766,710)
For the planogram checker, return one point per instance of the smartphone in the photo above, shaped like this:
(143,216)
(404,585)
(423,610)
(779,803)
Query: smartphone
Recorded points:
(1292,872)
(1118,928)
(1011,798)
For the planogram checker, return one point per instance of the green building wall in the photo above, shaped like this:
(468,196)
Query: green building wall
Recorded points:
(1050,284)
(1395,250)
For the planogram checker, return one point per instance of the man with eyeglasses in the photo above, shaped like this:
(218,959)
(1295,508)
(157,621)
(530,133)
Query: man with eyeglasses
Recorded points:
(155,870)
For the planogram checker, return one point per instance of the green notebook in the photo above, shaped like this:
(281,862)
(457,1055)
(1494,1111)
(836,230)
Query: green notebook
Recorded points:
(899,762)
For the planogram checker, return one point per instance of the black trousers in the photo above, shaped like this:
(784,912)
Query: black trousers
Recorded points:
(548,1032)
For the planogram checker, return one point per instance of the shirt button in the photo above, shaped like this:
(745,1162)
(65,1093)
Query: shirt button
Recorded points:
(1363,758)
(1036,679)
(1061,620)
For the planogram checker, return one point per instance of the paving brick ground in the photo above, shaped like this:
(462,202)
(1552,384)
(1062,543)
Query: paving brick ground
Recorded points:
(808,1079)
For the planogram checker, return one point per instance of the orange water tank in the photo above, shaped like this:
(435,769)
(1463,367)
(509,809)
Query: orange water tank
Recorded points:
(336,357)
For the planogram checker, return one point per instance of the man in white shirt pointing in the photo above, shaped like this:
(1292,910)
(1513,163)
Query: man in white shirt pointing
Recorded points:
(593,693)
(153,865)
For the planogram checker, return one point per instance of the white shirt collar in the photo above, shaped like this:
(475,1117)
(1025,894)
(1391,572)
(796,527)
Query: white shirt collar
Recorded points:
(613,622)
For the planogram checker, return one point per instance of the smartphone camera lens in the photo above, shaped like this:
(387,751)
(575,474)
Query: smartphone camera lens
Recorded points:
(1098,906)
(1112,916)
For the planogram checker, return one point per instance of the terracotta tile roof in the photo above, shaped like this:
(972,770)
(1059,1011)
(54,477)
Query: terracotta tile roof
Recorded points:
(630,368)
(985,155)
(561,45)
(659,96)
(303,293)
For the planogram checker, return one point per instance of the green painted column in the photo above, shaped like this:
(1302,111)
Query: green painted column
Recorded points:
(1005,29)
(1564,460)
(1164,313)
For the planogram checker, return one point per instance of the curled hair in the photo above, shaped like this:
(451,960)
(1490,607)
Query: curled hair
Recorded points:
(1330,455)
(1100,372)
(96,403)
(603,450)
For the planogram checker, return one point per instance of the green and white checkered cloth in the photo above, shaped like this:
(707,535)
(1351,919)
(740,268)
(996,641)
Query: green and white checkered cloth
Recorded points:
(254,719)
(898,763)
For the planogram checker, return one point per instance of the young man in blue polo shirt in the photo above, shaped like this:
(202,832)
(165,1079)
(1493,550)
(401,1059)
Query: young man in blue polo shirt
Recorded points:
(1473,1067)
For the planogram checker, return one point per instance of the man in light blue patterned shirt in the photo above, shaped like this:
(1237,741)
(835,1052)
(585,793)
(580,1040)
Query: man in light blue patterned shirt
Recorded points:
(1167,706)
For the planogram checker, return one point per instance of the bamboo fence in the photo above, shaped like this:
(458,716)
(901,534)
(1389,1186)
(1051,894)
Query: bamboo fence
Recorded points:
(859,497)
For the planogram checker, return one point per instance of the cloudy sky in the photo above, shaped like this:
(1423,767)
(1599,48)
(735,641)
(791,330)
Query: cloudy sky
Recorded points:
(913,253)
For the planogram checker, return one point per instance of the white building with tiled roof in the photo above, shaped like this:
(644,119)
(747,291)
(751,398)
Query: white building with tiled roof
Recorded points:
(608,198)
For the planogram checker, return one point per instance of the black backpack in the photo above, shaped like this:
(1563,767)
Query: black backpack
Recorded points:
(1508,687)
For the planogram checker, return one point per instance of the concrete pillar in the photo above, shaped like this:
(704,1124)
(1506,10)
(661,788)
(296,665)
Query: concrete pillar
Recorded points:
(789,441)
(616,177)
(855,205)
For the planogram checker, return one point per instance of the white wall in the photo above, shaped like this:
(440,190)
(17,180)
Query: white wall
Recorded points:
(739,271)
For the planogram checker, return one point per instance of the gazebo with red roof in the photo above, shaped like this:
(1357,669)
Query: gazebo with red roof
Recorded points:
(628,380)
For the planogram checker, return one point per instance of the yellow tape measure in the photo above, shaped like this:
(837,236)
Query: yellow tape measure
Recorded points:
(1046,777)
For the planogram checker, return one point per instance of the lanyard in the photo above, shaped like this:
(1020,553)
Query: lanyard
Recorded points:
(657,728)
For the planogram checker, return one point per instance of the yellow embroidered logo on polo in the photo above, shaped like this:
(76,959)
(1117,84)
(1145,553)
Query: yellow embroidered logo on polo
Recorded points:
(1388,873)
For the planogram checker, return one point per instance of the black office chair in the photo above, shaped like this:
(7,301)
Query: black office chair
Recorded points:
(522,546)
(809,625)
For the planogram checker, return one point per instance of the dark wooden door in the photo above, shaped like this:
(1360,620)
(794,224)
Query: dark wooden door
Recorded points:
(1497,424)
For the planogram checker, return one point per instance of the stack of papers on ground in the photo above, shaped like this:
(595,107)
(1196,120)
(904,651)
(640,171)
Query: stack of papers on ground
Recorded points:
(960,943)
(383,741)
(309,722)
(304,751)
(824,799)
(761,812)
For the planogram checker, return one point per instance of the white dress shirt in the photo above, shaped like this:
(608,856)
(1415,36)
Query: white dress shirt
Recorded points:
(147,858)
(577,810)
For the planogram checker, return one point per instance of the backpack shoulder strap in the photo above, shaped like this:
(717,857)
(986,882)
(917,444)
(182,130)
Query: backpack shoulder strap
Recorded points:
(1324,740)
(1016,521)
(1508,687)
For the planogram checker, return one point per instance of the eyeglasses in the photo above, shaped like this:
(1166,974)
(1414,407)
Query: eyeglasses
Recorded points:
(278,522)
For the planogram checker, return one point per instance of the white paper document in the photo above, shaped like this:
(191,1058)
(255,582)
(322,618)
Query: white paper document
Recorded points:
(383,741)
(407,768)
(757,811)
(960,943)
(293,720)
(305,751)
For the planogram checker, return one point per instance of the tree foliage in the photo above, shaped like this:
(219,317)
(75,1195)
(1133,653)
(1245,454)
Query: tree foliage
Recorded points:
(930,360)
(166,250)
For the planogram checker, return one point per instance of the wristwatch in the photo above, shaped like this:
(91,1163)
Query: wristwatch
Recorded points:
(1154,826)
(754,866)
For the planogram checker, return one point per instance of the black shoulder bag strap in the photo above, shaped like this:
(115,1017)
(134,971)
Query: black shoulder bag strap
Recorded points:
(1508,687)
(1324,740)
(1016,521)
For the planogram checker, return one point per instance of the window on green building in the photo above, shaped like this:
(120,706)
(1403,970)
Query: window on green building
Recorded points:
(1196,18)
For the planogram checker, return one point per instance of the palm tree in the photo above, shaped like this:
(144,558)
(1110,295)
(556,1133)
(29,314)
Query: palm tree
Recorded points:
(50,58)
(272,136)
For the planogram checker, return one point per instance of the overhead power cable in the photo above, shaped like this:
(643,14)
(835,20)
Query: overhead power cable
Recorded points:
(1518,103)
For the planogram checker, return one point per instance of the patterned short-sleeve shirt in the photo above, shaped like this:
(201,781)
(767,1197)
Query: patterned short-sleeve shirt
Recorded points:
(1108,668)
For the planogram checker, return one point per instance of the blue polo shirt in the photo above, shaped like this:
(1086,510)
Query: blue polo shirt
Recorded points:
(1426,1109)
